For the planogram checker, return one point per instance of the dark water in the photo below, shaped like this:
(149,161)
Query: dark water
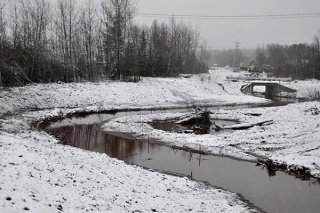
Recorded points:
(277,193)
(279,100)
(171,126)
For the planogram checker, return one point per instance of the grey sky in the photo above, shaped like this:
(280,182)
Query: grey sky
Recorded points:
(223,33)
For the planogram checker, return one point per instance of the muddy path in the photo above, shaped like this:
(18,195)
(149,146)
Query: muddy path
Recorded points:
(267,189)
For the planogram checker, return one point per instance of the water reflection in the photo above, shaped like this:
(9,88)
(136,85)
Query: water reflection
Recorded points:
(92,138)
(278,100)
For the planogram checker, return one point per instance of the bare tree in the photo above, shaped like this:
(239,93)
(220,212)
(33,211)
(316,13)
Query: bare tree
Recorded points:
(66,26)
(65,21)
(39,12)
(316,56)
(16,23)
(316,42)
(3,24)
(117,16)
(3,36)
(39,17)
(260,56)
(88,27)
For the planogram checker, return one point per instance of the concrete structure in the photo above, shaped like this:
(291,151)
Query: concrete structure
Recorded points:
(244,78)
(272,88)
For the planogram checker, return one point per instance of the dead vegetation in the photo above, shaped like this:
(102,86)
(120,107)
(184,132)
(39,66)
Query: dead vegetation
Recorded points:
(313,110)
(314,94)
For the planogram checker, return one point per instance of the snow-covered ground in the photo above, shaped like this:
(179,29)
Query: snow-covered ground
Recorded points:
(152,92)
(40,175)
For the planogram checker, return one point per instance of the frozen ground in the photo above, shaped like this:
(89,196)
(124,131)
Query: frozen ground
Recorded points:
(40,175)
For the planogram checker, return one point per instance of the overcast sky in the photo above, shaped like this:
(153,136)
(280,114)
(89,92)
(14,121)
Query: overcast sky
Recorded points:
(223,33)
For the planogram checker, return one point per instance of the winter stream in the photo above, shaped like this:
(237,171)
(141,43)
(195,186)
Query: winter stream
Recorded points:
(268,191)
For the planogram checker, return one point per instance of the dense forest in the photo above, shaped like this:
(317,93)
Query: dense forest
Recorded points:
(298,61)
(42,41)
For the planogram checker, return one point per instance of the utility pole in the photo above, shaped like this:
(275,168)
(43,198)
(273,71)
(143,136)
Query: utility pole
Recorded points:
(236,56)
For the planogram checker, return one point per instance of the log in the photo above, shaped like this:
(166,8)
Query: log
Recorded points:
(248,125)
(201,119)
(253,114)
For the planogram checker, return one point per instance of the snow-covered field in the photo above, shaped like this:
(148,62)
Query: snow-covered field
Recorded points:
(40,175)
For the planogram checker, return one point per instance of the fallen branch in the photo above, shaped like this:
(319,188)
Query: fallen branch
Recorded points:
(248,125)
(253,114)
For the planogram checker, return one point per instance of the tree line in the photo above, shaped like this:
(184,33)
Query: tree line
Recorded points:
(299,61)
(45,42)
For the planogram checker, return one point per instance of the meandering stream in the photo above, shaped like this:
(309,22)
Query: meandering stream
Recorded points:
(270,192)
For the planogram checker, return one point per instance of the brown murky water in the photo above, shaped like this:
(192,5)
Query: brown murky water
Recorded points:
(278,193)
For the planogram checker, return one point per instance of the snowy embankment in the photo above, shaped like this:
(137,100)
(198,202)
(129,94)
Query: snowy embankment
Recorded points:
(305,89)
(151,92)
(40,175)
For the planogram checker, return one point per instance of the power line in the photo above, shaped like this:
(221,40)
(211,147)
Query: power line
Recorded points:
(265,16)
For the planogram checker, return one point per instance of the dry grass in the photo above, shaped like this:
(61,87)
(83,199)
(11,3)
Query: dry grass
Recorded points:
(314,93)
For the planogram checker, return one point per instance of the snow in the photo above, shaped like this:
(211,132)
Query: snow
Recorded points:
(39,174)
(152,92)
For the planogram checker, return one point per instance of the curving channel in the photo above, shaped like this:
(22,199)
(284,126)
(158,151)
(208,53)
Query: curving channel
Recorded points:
(269,192)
